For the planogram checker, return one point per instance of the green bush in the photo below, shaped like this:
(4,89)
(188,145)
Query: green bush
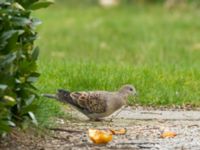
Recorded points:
(18,55)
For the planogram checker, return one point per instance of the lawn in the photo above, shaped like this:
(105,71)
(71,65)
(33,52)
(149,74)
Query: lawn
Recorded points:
(89,47)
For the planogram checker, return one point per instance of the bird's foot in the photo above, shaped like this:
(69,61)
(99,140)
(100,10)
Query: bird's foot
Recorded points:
(95,119)
(110,120)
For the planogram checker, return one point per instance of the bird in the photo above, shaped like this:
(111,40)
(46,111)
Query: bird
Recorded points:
(96,105)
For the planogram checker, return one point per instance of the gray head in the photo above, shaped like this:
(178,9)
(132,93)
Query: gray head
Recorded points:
(127,90)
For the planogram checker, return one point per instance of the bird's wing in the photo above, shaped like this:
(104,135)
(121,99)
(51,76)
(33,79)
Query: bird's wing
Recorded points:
(90,102)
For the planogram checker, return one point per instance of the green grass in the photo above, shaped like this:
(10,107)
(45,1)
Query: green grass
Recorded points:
(88,48)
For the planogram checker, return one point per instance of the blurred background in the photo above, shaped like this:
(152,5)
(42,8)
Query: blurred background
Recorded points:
(136,31)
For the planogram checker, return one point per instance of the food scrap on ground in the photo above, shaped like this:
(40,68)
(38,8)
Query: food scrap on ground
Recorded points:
(104,136)
(168,134)
(100,136)
(118,132)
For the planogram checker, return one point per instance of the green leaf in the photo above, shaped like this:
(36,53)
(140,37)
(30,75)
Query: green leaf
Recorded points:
(8,34)
(35,53)
(4,38)
(33,77)
(26,66)
(21,21)
(12,124)
(30,100)
(36,22)
(32,116)
(4,127)
(3,86)
(32,87)
(41,4)
(9,101)
(11,43)
(5,4)
(25,3)
(8,59)
(9,39)
(27,108)
(18,6)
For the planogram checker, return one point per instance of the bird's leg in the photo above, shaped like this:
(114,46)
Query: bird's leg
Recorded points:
(125,106)
(95,119)
(71,113)
(98,119)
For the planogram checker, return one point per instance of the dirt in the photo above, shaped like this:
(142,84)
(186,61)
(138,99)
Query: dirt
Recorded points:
(142,133)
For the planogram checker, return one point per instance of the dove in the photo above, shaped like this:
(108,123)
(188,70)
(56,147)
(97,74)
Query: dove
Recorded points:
(95,104)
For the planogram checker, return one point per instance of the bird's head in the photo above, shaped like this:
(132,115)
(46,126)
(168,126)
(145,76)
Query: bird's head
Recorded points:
(128,90)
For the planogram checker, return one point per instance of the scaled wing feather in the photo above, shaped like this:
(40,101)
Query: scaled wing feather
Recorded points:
(90,101)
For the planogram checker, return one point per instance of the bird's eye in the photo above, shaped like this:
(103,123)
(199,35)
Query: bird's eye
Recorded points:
(131,89)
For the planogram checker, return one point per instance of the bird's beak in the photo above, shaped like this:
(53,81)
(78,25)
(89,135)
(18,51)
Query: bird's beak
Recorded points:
(135,94)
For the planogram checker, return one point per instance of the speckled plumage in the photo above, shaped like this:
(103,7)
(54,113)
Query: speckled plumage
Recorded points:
(96,104)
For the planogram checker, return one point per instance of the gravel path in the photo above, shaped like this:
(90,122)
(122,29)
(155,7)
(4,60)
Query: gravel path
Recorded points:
(143,132)
(140,135)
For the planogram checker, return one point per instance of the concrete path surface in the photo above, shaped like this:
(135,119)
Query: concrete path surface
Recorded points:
(129,113)
(144,129)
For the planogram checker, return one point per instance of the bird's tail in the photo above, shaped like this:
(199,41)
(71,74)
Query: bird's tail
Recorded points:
(64,96)
(53,96)
(61,95)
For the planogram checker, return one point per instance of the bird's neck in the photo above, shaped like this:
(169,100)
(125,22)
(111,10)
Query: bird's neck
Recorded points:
(118,104)
(115,105)
(123,94)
